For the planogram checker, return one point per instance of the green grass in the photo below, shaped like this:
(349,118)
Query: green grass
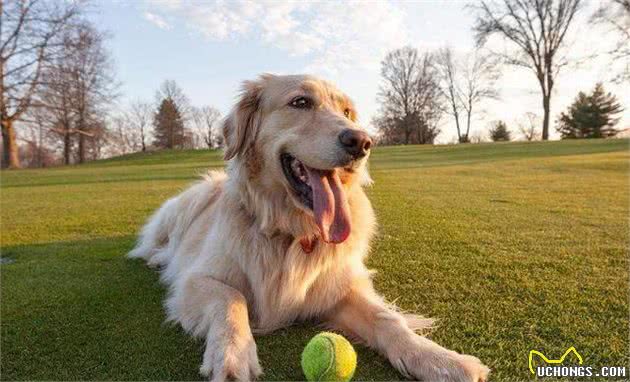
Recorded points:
(512,246)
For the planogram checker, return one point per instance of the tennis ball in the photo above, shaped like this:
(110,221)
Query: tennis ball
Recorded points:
(329,357)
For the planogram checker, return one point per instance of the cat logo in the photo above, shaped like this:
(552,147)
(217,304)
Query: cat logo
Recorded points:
(552,361)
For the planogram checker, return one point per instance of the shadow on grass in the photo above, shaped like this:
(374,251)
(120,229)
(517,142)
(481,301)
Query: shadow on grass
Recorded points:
(81,311)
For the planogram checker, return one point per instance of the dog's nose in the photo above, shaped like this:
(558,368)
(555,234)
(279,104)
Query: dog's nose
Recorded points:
(356,142)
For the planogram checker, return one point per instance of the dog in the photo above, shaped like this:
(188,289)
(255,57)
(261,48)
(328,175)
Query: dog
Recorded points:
(282,235)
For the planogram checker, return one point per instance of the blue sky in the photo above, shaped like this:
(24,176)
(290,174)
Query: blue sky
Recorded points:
(209,47)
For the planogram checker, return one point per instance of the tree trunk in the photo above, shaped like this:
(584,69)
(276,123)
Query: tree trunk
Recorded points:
(467,136)
(408,128)
(66,148)
(459,131)
(81,148)
(39,146)
(10,154)
(546,108)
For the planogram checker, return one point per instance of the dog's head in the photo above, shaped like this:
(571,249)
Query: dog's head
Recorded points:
(297,135)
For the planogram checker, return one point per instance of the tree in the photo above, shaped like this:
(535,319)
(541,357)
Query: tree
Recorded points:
(537,28)
(39,150)
(169,89)
(98,139)
(139,116)
(591,116)
(79,88)
(170,119)
(616,15)
(124,137)
(29,31)
(56,92)
(409,97)
(205,121)
(465,84)
(450,88)
(528,127)
(92,82)
(499,132)
(169,126)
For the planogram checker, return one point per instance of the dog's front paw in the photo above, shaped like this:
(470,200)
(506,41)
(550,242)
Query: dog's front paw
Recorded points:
(434,363)
(234,360)
(474,369)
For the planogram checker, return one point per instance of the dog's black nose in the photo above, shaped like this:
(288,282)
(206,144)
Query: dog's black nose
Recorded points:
(356,142)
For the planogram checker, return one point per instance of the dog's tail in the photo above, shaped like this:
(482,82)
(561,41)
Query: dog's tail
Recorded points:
(165,229)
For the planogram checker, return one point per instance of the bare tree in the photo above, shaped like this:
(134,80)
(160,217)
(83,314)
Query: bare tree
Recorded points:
(528,127)
(29,31)
(99,138)
(125,137)
(465,84)
(537,28)
(205,120)
(78,90)
(616,15)
(39,150)
(93,85)
(140,117)
(409,97)
(57,93)
(450,88)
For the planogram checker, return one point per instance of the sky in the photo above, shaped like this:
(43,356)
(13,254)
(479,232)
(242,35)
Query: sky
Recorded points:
(210,47)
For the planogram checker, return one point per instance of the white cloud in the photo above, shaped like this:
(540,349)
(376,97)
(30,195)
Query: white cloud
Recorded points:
(333,35)
(345,41)
(157,20)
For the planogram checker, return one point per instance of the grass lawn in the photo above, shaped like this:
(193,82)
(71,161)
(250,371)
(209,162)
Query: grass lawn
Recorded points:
(513,247)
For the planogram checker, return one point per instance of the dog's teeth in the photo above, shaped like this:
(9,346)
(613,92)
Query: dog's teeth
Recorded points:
(295,167)
(299,171)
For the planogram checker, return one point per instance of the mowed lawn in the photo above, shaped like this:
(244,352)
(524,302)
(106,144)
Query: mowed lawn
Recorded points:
(513,247)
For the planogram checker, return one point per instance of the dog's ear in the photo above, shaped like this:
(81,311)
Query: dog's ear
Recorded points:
(241,126)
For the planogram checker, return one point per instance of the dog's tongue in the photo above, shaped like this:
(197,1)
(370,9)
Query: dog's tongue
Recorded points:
(330,205)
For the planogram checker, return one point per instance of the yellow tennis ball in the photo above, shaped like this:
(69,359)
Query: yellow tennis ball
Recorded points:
(329,357)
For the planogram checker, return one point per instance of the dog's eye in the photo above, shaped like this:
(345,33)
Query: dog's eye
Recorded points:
(346,113)
(301,103)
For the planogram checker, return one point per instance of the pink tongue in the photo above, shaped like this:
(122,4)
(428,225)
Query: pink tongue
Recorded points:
(330,205)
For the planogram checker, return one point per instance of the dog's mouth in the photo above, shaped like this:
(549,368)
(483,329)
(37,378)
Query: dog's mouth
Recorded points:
(322,192)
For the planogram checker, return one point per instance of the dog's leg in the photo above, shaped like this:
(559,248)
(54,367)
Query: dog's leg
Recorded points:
(218,312)
(363,314)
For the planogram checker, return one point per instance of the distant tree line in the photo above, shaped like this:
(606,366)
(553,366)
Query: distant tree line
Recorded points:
(59,93)
(421,89)
(59,98)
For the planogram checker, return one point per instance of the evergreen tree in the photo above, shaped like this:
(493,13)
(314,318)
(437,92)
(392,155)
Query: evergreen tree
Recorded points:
(590,116)
(499,132)
(169,126)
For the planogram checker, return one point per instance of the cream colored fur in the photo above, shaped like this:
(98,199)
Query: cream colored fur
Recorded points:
(229,246)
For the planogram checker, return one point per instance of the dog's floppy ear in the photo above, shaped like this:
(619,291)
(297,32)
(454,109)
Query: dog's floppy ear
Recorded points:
(241,126)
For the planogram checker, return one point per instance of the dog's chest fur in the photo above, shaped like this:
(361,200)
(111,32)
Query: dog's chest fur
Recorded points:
(288,284)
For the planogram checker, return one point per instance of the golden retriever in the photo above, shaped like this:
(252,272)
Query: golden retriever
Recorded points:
(282,235)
